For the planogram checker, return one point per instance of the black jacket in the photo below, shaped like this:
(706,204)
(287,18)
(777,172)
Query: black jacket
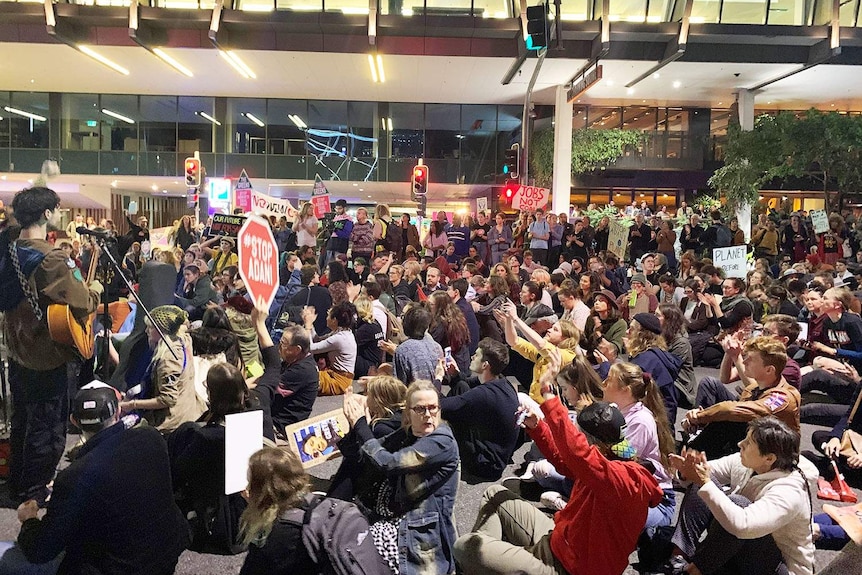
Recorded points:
(112,510)
(296,392)
(483,422)
(283,552)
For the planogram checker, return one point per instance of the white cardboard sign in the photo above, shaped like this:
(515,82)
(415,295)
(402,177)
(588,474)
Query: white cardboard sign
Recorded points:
(530,198)
(243,436)
(820,221)
(732,260)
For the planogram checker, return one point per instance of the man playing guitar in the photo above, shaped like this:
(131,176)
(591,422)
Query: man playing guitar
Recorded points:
(37,366)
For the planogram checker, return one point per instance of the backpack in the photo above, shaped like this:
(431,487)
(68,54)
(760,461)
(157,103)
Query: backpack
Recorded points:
(11,292)
(391,240)
(394,329)
(401,302)
(723,236)
(337,537)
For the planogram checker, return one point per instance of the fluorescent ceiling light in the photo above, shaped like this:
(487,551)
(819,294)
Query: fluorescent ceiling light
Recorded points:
(237,64)
(102,60)
(354,10)
(173,63)
(383,123)
(257,7)
(113,114)
(25,114)
(375,64)
(208,117)
(305,8)
(297,121)
(389,123)
(253,118)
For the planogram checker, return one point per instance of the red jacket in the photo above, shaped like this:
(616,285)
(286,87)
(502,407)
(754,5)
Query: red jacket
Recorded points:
(600,526)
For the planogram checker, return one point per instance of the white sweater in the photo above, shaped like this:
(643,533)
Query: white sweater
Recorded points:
(781,507)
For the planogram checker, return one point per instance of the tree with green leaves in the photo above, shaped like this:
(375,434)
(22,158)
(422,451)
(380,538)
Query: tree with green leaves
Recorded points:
(591,150)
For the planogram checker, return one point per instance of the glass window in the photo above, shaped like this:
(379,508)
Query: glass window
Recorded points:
(328,139)
(579,118)
(364,133)
(445,7)
(660,11)
(28,119)
(119,135)
(285,127)
(347,6)
(158,128)
(299,5)
(628,10)
(705,11)
(407,135)
(479,128)
(494,9)
(5,121)
(575,10)
(603,118)
(79,121)
(256,5)
(443,131)
(793,12)
(752,12)
(245,124)
(639,118)
(195,131)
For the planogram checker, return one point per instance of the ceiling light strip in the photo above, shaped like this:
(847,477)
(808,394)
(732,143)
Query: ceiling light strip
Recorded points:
(30,115)
(380,69)
(373,68)
(297,121)
(210,118)
(254,119)
(118,116)
(165,57)
(102,60)
(238,61)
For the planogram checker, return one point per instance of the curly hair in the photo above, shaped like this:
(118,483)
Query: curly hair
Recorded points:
(673,322)
(641,340)
(446,313)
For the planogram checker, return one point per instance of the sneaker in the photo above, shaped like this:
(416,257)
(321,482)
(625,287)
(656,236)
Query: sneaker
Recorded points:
(528,473)
(553,500)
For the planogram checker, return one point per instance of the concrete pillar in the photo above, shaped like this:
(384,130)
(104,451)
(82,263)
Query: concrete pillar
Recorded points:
(562,185)
(745,103)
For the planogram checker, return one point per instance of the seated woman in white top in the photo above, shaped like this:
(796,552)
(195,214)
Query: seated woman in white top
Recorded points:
(339,346)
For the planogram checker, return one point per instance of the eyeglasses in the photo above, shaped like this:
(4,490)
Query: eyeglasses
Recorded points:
(422,409)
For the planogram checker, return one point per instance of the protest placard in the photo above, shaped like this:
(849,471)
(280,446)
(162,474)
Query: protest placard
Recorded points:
(243,435)
(732,260)
(226,225)
(820,221)
(618,239)
(530,198)
(315,440)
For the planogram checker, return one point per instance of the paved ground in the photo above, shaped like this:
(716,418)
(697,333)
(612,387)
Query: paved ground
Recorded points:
(828,562)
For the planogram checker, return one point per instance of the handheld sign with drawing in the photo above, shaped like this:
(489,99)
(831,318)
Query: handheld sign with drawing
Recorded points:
(820,221)
(618,239)
(732,260)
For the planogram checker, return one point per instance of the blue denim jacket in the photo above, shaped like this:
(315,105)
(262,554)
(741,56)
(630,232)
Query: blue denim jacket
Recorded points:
(424,472)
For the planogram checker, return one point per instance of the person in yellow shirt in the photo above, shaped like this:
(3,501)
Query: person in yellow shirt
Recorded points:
(563,335)
(223,256)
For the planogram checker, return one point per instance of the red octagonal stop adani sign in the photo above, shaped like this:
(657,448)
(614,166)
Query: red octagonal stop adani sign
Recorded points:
(258,259)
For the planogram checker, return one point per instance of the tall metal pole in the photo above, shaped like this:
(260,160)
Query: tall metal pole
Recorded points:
(525,132)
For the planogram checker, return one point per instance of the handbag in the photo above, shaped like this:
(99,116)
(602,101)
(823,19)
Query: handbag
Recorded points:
(851,441)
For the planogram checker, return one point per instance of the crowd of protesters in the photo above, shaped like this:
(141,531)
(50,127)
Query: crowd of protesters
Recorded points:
(451,349)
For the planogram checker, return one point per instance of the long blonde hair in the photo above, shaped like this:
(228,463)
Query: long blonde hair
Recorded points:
(640,340)
(381,211)
(306,210)
(276,482)
(386,395)
(412,270)
(571,335)
(365,310)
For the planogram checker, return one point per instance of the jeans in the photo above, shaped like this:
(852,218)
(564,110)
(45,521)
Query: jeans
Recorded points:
(510,536)
(838,388)
(710,391)
(13,562)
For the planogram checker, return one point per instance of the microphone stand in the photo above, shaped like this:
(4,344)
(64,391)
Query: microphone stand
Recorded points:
(103,241)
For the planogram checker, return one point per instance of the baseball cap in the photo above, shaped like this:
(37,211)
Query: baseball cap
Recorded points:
(95,403)
(603,421)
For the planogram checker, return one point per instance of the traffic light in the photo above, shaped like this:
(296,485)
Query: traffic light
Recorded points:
(509,192)
(512,165)
(537,27)
(419,183)
(193,172)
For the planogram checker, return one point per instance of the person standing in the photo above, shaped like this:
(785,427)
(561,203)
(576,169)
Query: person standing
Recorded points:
(306,226)
(540,234)
(500,238)
(362,236)
(342,227)
(37,364)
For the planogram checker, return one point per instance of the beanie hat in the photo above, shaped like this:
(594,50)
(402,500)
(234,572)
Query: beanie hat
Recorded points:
(640,278)
(649,322)
(169,318)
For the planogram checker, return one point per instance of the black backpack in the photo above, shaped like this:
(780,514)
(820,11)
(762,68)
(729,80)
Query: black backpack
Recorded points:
(337,537)
(391,240)
(723,236)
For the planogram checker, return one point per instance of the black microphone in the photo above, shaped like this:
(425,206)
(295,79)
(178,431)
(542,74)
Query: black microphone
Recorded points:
(97,233)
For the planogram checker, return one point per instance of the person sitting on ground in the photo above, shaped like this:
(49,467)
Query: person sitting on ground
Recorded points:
(458,291)
(648,350)
(759,362)
(611,495)
(762,524)
(239,313)
(533,347)
(834,447)
(411,512)
(532,311)
(449,328)
(418,356)
(91,517)
(299,382)
(273,523)
(604,329)
(368,335)
(475,407)
(574,308)
(673,331)
(339,346)
(640,299)
(842,329)
(384,398)
(197,292)
(311,294)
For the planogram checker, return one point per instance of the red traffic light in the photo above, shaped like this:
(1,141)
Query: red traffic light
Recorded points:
(193,172)
(419,172)
(509,191)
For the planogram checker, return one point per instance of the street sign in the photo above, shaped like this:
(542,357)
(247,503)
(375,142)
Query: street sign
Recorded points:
(258,260)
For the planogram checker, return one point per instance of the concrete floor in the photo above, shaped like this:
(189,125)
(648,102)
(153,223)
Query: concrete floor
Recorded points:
(846,562)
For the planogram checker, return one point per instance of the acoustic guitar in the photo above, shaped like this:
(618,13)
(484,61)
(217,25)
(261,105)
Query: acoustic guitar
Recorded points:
(64,328)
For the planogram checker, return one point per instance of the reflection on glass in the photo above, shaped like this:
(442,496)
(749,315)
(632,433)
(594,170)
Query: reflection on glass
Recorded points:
(299,5)
(744,12)
(660,11)
(358,7)
(604,118)
(286,134)
(28,119)
(705,11)
(406,135)
(118,135)
(245,124)
(639,118)
(793,12)
(79,122)
(158,125)
(493,9)
(576,10)
(628,11)
(197,124)
(441,7)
